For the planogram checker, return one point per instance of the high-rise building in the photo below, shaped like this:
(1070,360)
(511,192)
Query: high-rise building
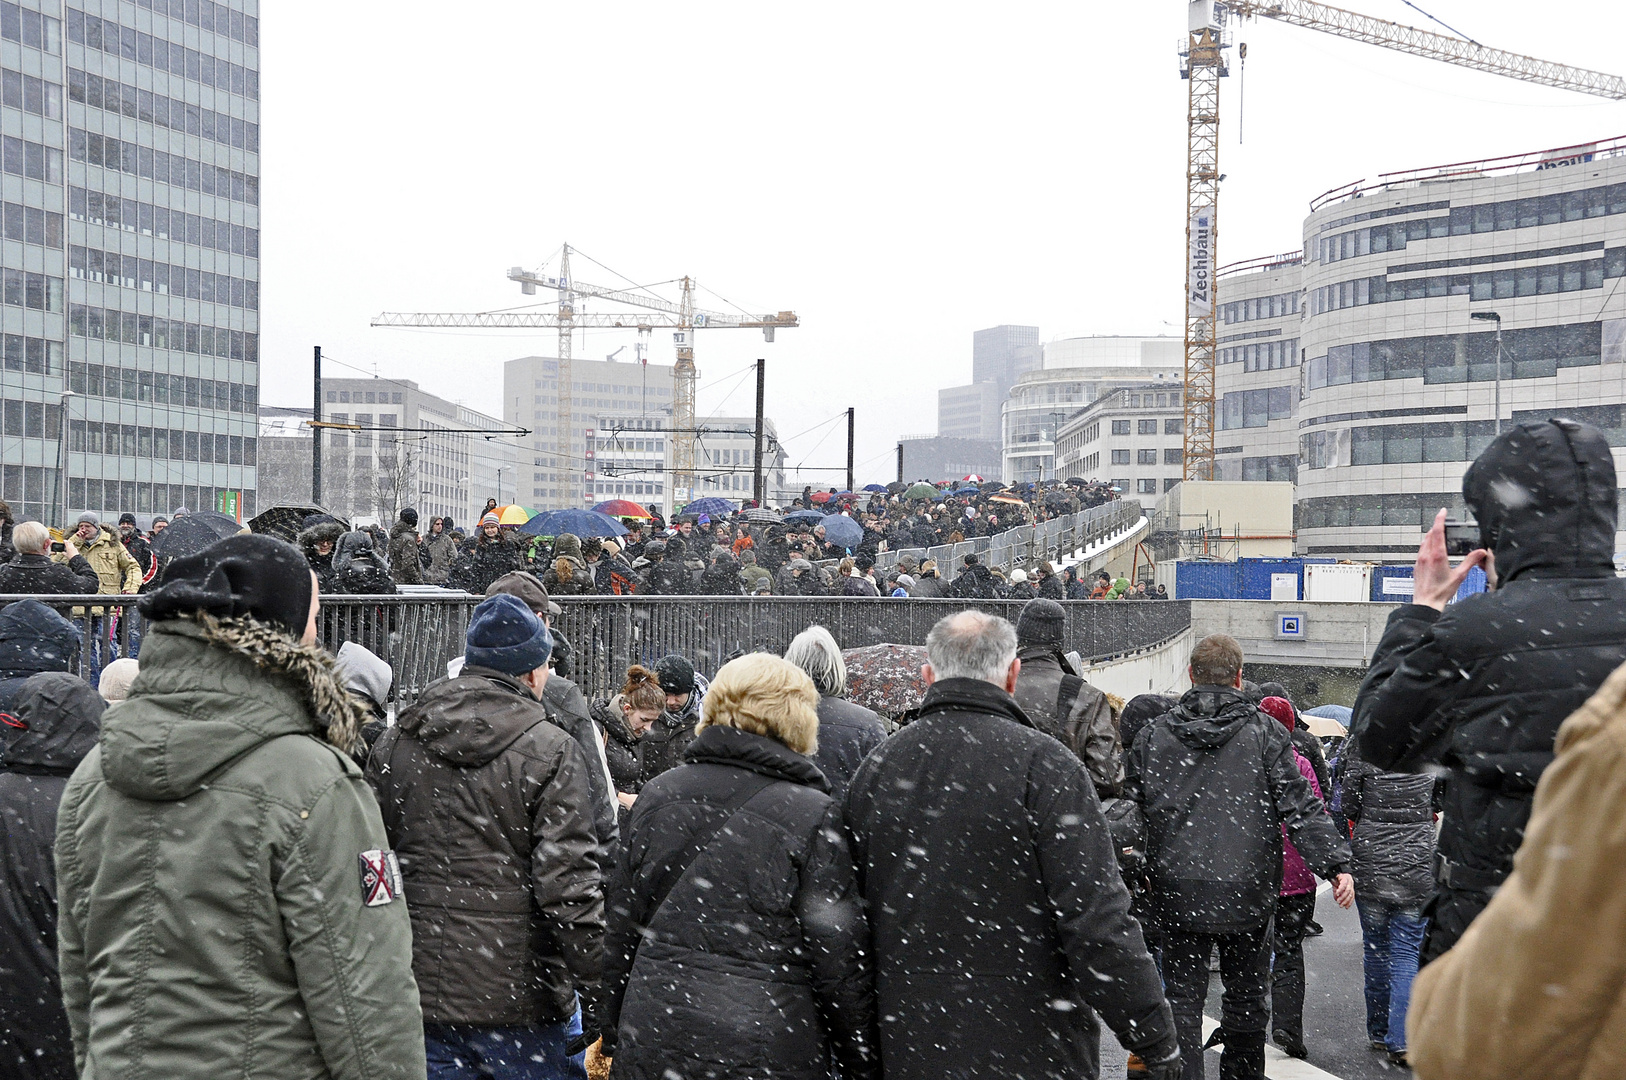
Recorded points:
(1000,354)
(970,412)
(129,173)
(632,459)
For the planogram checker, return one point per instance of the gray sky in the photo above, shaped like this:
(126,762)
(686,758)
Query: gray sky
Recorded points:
(898,175)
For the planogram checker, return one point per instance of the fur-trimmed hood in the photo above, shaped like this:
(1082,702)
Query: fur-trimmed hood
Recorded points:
(327,530)
(211,690)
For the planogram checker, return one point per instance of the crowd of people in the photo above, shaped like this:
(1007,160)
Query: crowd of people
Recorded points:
(240,854)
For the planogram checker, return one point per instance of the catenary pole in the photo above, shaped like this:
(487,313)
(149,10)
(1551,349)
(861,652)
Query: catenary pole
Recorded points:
(316,431)
(757,491)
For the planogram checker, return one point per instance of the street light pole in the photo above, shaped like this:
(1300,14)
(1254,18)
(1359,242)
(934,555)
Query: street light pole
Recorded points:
(1489,316)
(62,458)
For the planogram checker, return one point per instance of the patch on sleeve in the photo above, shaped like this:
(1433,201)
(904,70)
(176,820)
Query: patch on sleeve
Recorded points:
(380,877)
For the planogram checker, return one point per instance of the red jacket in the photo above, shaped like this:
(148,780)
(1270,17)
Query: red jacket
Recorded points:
(1296,877)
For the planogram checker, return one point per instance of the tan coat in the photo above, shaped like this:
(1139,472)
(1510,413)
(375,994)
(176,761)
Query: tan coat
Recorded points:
(1537,986)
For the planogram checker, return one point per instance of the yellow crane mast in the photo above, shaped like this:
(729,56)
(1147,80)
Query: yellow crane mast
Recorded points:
(1203,63)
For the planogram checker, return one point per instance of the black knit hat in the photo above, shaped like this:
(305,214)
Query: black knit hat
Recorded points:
(675,674)
(1042,622)
(252,574)
(410,516)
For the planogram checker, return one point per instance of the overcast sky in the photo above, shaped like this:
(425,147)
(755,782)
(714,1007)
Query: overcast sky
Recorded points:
(899,175)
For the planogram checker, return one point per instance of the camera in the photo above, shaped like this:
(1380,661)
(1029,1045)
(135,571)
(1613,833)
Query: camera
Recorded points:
(1461,537)
(58,545)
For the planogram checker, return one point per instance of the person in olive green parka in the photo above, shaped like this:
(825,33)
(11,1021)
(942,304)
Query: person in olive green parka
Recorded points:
(228,902)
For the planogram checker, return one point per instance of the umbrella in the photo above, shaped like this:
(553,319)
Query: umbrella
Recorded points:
(577,522)
(191,534)
(874,487)
(1077,480)
(514,515)
(965,487)
(897,487)
(799,516)
(920,491)
(842,531)
(287,522)
(973,478)
(714,506)
(1010,499)
(886,678)
(821,496)
(622,508)
(759,516)
(993,485)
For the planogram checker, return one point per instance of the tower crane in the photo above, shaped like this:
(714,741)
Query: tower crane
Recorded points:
(683,317)
(1203,63)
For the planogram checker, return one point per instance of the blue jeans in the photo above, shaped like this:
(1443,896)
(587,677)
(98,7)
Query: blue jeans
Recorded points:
(514,1052)
(1393,937)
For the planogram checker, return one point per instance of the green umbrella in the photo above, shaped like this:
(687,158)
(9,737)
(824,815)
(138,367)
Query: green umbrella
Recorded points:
(920,491)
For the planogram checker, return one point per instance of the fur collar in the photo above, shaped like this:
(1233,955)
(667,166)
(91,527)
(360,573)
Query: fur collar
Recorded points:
(308,667)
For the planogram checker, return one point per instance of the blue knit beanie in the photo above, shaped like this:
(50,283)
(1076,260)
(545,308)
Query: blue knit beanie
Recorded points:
(506,637)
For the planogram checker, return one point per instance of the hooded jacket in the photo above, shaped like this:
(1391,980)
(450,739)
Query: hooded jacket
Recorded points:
(1482,687)
(995,901)
(33,638)
(976,582)
(329,532)
(487,804)
(442,548)
(1216,780)
(358,569)
(405,566)
(1087,730)
(216,918)
(1393,841)
(116,571)
(757,963)
(567,573)
(60,714)
(669,736)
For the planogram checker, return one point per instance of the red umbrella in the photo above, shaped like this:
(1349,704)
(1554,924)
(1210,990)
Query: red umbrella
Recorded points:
(974,478)
(886,678)
(623,508)
(821,496)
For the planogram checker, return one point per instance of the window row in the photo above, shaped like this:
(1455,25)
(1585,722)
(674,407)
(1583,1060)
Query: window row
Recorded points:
(1273,467)
(1263,355)
(24,288)
(388,397)
(1256,408)
(31,225)
(1484,218)
(30,94)
(172,444)
(157,332)
(160,388)
(115,496)
(210,16)
(30,28)
(30,419)
(170,56)
(162,222)
(1261,307)
(1396,444)
(30,491)
(171,169)
(33,160)
(94,264)
(1344,511)
(98,93)
(37,356)
(1530,353)
(1487,285)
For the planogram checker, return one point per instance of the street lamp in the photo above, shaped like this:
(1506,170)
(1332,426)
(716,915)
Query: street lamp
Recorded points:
(62,457)
(1489,316)
(500,468)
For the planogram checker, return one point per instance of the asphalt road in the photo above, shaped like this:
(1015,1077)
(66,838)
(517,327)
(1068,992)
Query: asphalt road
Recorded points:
(1334,1012)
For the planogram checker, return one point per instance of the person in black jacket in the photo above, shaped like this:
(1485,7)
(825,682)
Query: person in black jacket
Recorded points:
(1217,781)
(317,541)
(358,569)
(55,725)
(737,947)
(1001,925)
(1481,686)
(976,582)
(33,638)
(486,558)
(32,571)
(624,719)
(847,731)
(670,735)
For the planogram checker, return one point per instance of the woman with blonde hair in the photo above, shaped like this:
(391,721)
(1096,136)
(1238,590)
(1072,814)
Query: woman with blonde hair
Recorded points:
(736,945)
(624,718)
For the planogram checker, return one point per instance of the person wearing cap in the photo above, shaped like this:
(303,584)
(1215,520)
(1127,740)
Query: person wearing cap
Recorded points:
(405,554)
(117,678)
(1060,702)
(670,735)
(489,807)
(116,571)
(138,547)
(223,872)
(488,556)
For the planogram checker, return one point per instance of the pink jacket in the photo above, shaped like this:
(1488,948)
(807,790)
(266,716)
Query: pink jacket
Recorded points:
(1296,877)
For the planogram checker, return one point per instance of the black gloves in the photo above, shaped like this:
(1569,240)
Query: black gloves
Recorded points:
(1163,1060)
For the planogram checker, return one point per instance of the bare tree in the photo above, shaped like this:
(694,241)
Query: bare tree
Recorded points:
(396,478)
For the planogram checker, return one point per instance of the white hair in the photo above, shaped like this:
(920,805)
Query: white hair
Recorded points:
(815,651)
(30,538)
(971,645)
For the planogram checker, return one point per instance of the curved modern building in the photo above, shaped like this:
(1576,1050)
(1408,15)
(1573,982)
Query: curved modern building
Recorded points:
(1405,285)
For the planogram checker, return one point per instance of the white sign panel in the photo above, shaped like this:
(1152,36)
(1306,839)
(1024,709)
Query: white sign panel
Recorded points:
(1399,586)
(1284,586)
(1200,265)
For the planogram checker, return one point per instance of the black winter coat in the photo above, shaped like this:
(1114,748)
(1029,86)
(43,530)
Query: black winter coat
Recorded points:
(358,569)
(928,587)
(568,711)
(33,638)
(1393,845)
(38,575)
(975,583)
(62,717)
(1216,780)
(1482,687)
(995,900)
(669,577)
(847,733)
(330,532)
(668,737)
(485,561)
(757,963)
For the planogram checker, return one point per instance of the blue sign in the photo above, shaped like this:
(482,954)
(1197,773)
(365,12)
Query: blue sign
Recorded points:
(1290,626)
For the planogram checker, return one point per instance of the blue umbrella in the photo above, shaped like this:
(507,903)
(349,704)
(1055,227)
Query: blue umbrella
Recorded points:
(714,506)
(804,515)
(576,522)
(874,487)
(842,531)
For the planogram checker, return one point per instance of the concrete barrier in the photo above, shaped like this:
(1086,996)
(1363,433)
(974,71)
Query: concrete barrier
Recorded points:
(1317,634)
(1158,670)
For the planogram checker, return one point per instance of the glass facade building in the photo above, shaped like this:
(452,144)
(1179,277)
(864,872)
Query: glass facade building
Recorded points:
(129,298)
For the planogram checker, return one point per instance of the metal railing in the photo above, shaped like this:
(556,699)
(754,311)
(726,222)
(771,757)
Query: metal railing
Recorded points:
(1026,545)
(418,635)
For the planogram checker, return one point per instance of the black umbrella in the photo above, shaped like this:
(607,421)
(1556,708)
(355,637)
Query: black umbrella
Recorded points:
(896,487)
(191,534)
(287,522)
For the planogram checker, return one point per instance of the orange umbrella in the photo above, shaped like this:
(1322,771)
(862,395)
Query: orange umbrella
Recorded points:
(514,515)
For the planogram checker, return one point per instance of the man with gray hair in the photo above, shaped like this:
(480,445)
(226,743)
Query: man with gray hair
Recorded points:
(1000,922)
(847,731)
(32,570)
